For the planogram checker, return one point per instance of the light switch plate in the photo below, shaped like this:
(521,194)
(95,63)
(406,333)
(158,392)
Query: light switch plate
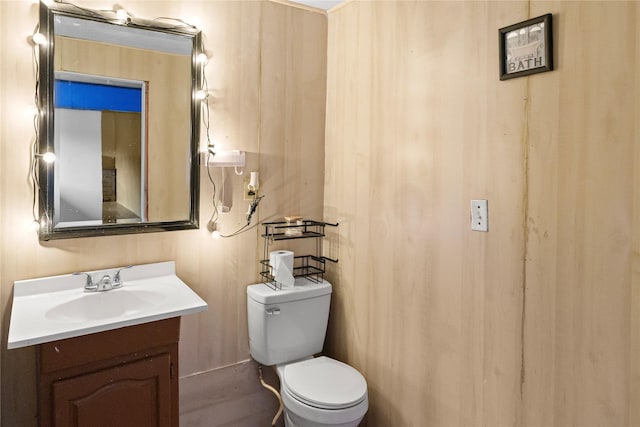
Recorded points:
(479,215)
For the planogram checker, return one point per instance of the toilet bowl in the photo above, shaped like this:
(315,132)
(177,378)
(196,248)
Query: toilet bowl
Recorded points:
(322,392)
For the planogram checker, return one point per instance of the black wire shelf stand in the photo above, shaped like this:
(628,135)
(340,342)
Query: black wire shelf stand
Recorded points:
(311,266)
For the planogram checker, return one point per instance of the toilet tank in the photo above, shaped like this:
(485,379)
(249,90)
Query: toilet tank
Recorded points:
(288,324)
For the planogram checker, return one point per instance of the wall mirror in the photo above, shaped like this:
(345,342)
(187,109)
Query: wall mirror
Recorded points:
(120,112)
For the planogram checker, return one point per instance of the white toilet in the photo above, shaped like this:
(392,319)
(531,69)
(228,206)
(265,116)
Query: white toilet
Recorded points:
(286,328)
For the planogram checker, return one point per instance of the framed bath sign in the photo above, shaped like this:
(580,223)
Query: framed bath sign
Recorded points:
(526,48)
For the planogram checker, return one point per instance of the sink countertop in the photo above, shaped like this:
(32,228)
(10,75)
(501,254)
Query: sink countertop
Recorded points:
(57,307)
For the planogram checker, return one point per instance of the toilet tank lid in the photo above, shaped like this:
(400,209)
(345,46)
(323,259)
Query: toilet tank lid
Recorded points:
(303,289)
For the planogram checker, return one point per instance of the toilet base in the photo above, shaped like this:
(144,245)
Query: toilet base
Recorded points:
(288,422)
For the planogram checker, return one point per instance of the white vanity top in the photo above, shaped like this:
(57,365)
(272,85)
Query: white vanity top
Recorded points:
(57,307)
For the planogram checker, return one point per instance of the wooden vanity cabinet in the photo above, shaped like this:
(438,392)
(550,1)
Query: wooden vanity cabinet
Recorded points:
(126,377)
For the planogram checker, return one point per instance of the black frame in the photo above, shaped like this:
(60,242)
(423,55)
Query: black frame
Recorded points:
(47,231)
(548,47)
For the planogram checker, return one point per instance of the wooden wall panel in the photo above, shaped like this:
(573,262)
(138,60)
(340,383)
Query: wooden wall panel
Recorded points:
(634,345)
(417,125)
(535,323)
(218,270)
(293,109)
(580,351)
(121,145)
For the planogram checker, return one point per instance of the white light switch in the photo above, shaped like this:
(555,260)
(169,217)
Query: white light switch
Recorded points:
(479,215)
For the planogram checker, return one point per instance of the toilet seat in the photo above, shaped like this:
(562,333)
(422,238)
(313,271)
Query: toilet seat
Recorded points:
(324,383)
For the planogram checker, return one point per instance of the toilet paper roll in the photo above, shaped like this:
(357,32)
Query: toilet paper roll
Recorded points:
(285,277)
(281,264)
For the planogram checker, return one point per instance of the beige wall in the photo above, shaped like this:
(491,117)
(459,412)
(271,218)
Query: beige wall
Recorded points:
(238,36)
(582,277)
(535,323)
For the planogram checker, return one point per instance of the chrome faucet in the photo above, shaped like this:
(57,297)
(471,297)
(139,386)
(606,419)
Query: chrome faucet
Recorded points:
(106,283)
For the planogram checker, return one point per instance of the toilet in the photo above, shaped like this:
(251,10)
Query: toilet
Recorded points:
(287,328)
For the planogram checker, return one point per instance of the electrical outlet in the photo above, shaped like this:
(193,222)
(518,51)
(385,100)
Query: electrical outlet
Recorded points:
(247,194)
(479,215)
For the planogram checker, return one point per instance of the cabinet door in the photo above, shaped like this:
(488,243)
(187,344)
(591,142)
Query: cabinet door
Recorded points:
(135,394)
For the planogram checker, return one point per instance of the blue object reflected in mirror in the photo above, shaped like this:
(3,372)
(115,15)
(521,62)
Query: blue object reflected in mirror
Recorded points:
(99,97)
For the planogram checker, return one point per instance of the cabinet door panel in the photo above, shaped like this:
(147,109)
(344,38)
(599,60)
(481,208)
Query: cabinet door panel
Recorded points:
(128,395)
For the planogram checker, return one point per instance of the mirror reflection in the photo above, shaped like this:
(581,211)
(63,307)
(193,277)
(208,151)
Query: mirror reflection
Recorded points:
(124,126)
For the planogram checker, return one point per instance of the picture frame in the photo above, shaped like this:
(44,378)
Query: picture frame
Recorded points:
(526,47)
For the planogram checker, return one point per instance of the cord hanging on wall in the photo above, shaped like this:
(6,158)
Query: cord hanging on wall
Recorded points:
(215,157)
(38,41)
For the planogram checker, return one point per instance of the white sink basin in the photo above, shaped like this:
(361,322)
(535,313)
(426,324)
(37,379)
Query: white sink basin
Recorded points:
(104,305)
(54,308)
